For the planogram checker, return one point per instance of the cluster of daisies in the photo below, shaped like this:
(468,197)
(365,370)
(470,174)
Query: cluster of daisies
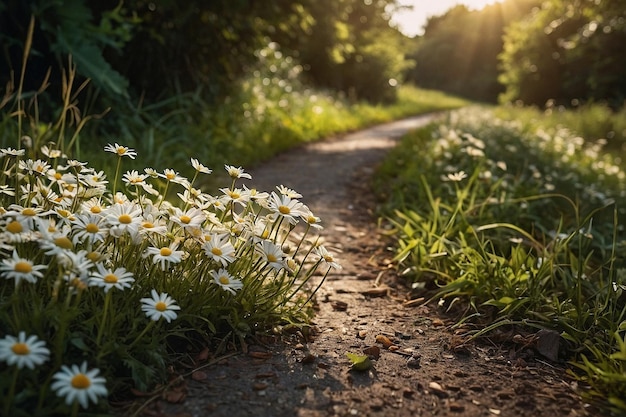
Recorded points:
(64,227)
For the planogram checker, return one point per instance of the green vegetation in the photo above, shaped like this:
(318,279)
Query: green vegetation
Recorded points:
(99,259)
(520,224)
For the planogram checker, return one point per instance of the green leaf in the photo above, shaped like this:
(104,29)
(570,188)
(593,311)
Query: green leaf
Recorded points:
(359,362)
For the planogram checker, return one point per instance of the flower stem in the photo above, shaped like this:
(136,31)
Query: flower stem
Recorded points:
(107,301)
(142,334)
(9,398)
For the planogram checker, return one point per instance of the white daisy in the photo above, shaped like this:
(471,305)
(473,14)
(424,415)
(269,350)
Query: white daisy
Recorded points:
(192,218)
(20,269)
(121,150)
(165,255)
(89,227)
(226,281)
(77,384)
(123,218)
(22,351)
(160,305)
(172,176)
(286,207)
(270,253)
(219,248)
(120,278)
(323,253)
(199,167)
(236,172)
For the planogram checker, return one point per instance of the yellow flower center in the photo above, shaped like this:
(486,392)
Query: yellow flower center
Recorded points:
(328,258)
(64,213)
(121,150)
(160,306)
(69,187)
(265,234)
(92,228)
(147,225)
(166,251)
(271,258)
(20,349)
(15,227)
(29,212)
(81,381)
(234,195)
(170,176)
(23,267)
(311,220)
(125,219)
(224,280)
(93,256)
(185,219)
(63,242)
(58,176)
(96,209)
(110,279)
(216,251)
(284,209)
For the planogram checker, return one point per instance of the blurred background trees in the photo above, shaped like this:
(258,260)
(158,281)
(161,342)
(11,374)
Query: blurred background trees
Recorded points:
(142,51)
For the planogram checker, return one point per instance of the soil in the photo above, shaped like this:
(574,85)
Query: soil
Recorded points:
(421,365)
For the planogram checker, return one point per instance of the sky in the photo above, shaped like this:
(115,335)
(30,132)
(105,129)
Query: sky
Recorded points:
(411,23)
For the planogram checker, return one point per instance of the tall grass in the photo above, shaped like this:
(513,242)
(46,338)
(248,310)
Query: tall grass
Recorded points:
(524,226)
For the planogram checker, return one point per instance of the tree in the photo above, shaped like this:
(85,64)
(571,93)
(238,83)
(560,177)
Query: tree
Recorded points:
(459,50)
(566,51)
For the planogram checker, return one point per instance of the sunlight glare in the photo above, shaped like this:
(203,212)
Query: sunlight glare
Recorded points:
(411,22)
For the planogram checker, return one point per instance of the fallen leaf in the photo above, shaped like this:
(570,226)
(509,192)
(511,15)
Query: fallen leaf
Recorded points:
(359,362)
(376,292)
(260,355)
(339,305)
(372,351)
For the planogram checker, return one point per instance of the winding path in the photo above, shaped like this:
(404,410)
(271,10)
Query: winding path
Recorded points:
(430,373)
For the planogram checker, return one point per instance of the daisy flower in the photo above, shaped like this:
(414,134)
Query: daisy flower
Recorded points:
(77,384)
(286,207)
(235,195)
(20,269)
(456,177)
(120,278)
(323,253)
(199,167)
(192,218)
(29,217)
(237,172)
(165,255)
(22,351)
(226,281)
(121,150)
(89,227)
(160,305)
(125,217)
(270,253)
(34,167)
(93,205)
(172,176)
(12,152)
(310,218)
(288,192)
(134,178)
(219,249)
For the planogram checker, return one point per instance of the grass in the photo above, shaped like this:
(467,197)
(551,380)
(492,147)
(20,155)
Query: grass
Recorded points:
(522,224)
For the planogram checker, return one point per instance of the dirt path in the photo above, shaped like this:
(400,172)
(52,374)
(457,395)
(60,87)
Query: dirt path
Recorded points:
(430,373)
